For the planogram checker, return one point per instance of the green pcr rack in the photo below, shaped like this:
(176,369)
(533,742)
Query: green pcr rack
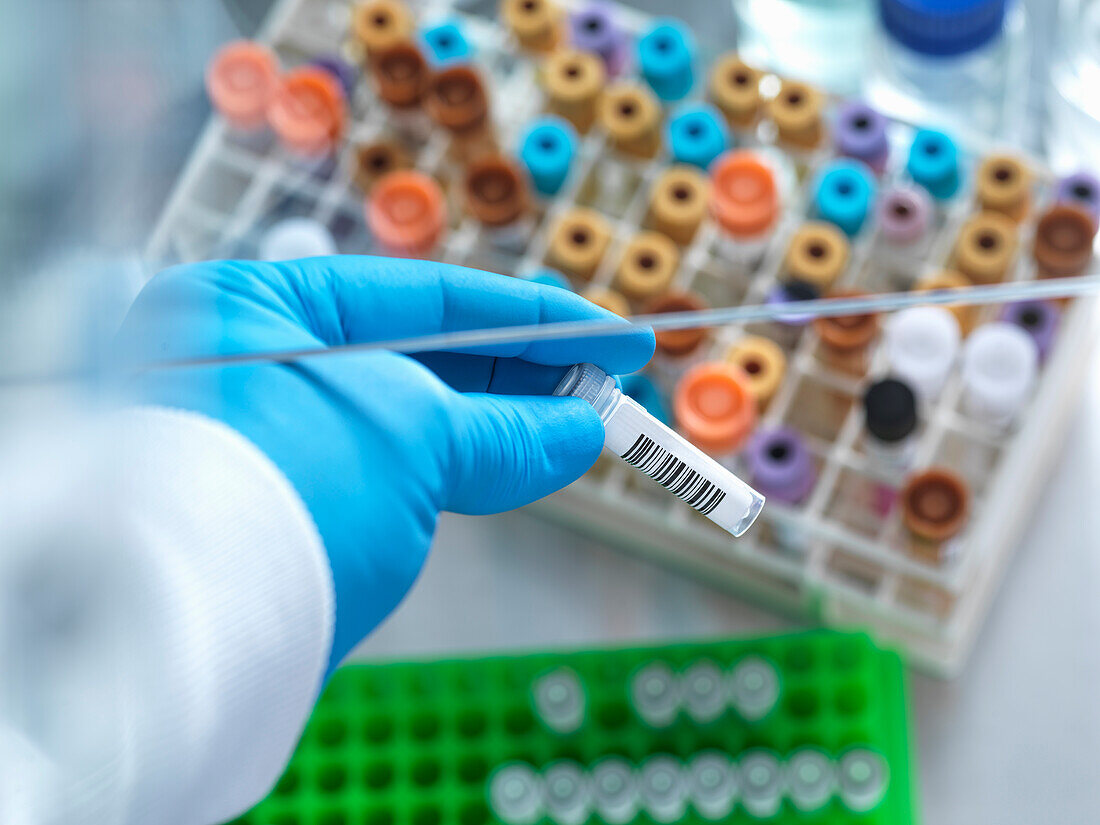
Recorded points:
(805,728)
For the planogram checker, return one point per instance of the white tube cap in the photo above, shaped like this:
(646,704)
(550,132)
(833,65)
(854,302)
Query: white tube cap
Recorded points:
(1000,365)
(295,238)
(921,345)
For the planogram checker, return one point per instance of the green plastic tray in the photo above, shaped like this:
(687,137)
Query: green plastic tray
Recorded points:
(415,743)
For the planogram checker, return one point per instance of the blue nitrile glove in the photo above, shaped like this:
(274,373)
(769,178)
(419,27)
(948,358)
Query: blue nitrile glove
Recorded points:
(378,443)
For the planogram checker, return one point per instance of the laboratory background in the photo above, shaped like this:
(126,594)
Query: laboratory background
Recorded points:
(908,633)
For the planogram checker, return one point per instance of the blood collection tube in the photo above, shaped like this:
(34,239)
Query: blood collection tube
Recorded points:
(762,782)
(645,443)
(568,792)
(456,99)
(787,329)
(714,407)
(406,212)
(863,778)
(934,163)
(655,694)
(796,112)
(666,54)
(735,90)
(593,29)
(345,75)
(307,111)
(516,794)
(860,133)
(379,24)
(764,364)
(965,314)
(701,692)
(536,24)
(1000,365)
(495,194)
(697,134)
(631,116)
(1003,184)
(293,238)
(615,790)
(547,151)
(713,784)
(904,216)
(559,700)
(1063,241)
(608,299)
(643,390)
(935,506)
(574,80)
(744,202)
(752,686)
(374,160)
(817,254)
(401,75)
(648,266)
(446,44)
(986,247)
(1039,319)
(678,203)
(811,779)
(677,347)
(663,788)
(844,193)
(240,80)
(890,419)
(578,242)
(921,345)
(845,340)
(780,465)
(1081,188)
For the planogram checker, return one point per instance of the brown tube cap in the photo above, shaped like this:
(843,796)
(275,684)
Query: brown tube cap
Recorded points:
(573,80)
(847,334)
(373,160)
(400,74)
(935,504)
(678,203)
(1063,241)
(631,116)
(796,111)
(456,99)
(495,191)
(536,24)
(817,254)
(607,299)
(578,242)
(378,24)
(678,342)
(966,315)
(735,89)
(648,265)
(763,362)
(986,247)
(1003,185)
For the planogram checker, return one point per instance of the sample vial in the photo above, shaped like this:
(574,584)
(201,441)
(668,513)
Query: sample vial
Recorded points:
(307,111)
(456,100)
(559,700)
(379,24)
(495,194)
(863,778)
(845,340)
(787,329)
(647,444)
(796,112)
(713,784)
(662,788)
(676,347)
(904,216)
(986,247)
(860,133)
(240,79)
(593,29)
(374,160)
(615,790)
(744,202)
(934,163)
(1003,184)
(890,418)
(666,54)
(715,408)
(781,466)
(631,116)
(446,43)
(642,389)
(1039,319)
(406,212)
(400,74)
(655,694)
(294,238)
(516,794)
(578,242)
(735,90)
(764,364)
(921,344)
(568,793)
(762,783)
(753,687)
(536,24)
(574,80)
(1063,241)
(648,266)
(701,692)
(678,203)
(547,151)
(935,505)
(810,778)
(817,255)
(965,314)
(1000,365)
(697,134)
(1081,188)
(844,193)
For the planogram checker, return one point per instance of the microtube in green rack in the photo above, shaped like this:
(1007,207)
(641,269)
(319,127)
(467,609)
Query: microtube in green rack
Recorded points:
(812,728)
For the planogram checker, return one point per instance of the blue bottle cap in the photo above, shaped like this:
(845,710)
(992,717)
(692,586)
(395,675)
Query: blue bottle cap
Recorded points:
(550,277)
(547,151)
(697,135)
(446,43)
(934,163)
(645,392)
(942,27)
(844,194)
(665,54)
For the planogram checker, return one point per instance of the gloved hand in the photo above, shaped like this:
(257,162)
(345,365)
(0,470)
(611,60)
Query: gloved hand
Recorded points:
(378,443)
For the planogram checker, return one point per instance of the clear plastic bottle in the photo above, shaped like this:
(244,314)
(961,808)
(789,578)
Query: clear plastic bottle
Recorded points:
(1073,124)
(960,66)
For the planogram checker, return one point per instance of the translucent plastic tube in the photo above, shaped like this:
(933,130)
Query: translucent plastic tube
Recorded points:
(673,462)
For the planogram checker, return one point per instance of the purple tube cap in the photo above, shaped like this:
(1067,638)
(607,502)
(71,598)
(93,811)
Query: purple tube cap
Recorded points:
(1039,319)
(1083,189)
(904,214)
(780,465)
(861,133)
(788,293)
(593,29)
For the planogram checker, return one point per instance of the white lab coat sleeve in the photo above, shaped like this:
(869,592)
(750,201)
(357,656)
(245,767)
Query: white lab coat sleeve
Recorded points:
(168,616)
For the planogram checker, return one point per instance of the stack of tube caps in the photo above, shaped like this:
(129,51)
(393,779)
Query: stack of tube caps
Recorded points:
(803,728)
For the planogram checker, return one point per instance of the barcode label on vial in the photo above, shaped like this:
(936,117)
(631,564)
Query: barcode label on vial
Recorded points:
(672,473)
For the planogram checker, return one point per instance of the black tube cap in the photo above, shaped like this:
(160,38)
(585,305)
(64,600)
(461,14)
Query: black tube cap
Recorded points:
(890,410)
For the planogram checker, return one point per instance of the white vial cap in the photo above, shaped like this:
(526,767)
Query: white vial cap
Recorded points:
(1000,365)
(655,695)
(811,779)
(761,783)
(559,700)
(712,784)
(615,790)
(516,794)
(663,788)
(753,688)
(295,238)
(864,778)
(702,693)
(921,345)
(568,794)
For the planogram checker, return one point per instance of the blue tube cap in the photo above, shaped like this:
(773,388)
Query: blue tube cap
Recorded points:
(844,194)
(550,277)
(645,392)
(666,54)
(547,151)
(697,135)
(942,27)
(445,44)
(934,163)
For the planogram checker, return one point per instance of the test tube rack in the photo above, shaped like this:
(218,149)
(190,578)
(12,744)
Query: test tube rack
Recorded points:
(421,743)
(850,570)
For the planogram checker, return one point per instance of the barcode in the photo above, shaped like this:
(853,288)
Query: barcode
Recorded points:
(669,471)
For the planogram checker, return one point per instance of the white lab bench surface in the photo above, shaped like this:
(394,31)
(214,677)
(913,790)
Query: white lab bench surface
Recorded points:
(1013,740)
